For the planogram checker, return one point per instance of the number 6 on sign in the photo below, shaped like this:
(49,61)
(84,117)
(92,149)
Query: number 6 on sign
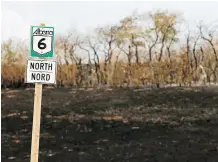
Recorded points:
(42,41)
(41,45)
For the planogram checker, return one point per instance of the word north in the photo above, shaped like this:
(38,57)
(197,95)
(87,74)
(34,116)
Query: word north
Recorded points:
(44,66)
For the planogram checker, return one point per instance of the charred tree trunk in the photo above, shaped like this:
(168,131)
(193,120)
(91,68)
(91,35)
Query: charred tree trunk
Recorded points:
(161,49)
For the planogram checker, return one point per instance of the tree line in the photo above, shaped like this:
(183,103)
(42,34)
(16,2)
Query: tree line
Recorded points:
(154,48)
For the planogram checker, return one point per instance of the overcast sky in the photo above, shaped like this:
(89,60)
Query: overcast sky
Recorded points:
(17,17)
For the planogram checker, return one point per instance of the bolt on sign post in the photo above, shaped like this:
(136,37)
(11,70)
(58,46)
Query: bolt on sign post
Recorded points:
(40,71)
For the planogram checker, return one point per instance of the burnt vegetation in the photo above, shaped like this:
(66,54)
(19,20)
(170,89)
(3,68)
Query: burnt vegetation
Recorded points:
(126,92)
(166,124)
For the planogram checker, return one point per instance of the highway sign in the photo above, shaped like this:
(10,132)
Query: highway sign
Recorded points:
(42,41)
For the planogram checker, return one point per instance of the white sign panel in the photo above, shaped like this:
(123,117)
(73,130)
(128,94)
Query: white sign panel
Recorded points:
(41,71)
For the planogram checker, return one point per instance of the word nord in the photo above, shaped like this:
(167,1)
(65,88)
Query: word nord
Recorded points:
(43,32)
(41,77)
(41,66)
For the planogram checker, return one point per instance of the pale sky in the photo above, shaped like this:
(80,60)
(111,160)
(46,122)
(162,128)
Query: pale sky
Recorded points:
(17,17)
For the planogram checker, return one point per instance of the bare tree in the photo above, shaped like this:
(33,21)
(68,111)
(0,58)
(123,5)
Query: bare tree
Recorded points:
(66,46)
(188,49)
(94,48)
(209,39)
(74,45)
(194,52)
(107,38)
(168,46)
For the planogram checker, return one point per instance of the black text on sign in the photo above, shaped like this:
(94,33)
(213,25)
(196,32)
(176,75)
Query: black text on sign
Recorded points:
(41,72)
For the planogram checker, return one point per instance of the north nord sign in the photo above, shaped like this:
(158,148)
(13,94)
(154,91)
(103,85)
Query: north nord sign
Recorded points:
(42,41)
(41,71)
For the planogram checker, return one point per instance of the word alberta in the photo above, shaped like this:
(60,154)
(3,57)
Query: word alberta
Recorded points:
(41,71)
(43,32)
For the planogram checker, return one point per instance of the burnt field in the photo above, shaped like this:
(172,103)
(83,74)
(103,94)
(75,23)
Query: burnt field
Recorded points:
(113,125)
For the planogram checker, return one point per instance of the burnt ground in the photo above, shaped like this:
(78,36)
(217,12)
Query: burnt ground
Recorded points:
(113,125)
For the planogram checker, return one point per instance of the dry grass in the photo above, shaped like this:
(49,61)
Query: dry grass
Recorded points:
(178,70)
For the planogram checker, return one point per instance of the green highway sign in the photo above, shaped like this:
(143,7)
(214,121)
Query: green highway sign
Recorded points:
(42,41)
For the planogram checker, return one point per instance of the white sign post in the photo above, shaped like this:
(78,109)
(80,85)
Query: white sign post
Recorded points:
(40,71)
